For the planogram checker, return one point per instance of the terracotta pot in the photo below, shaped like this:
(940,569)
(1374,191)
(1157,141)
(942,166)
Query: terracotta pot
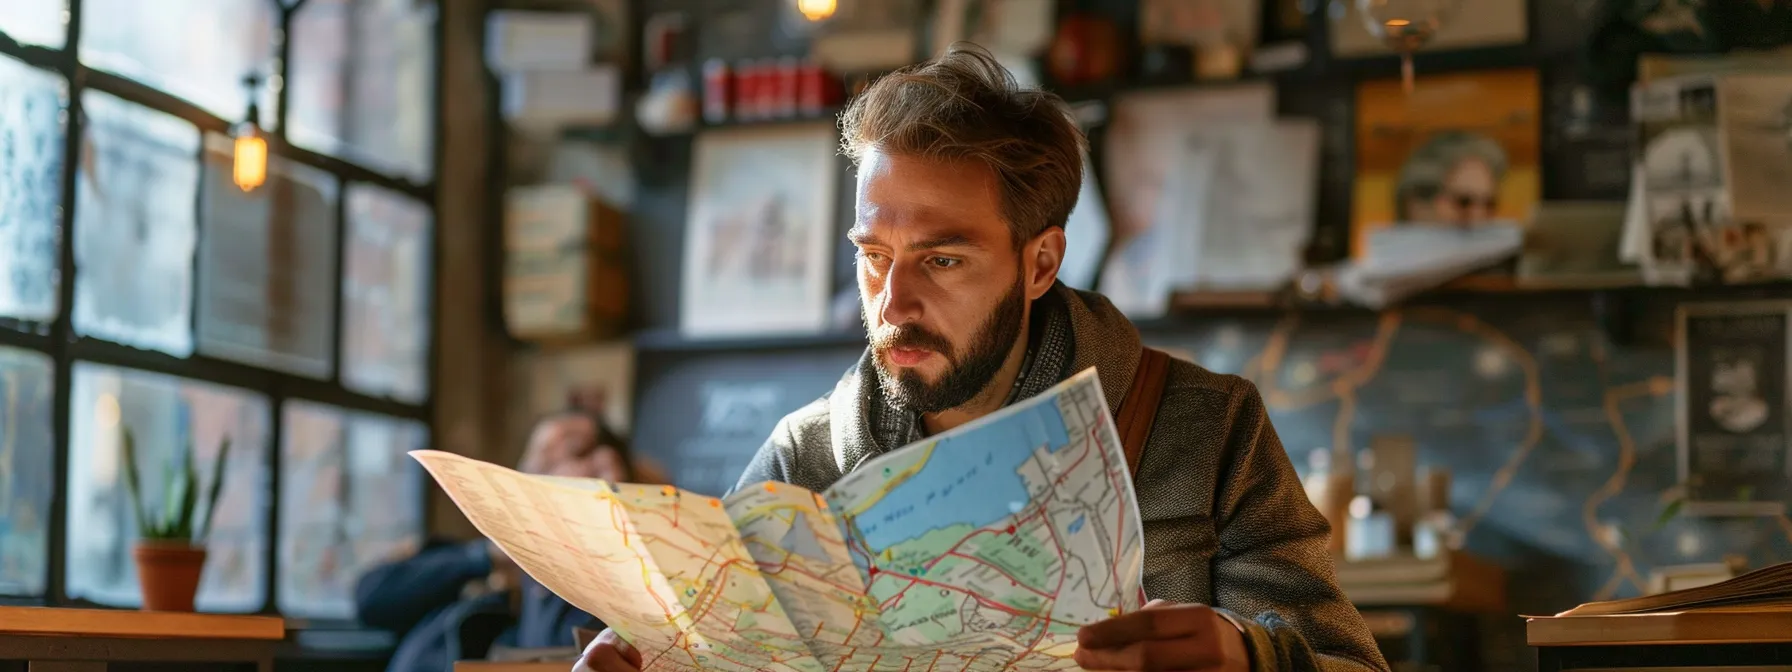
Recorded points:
(168,573)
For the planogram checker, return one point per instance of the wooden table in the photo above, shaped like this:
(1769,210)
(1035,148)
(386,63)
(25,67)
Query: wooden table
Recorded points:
(88,640)
(1737,640)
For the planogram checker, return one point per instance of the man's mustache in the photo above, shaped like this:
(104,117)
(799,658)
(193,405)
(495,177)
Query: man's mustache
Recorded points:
(909,336)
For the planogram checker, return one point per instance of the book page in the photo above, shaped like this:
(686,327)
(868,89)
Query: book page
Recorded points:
(1016,529)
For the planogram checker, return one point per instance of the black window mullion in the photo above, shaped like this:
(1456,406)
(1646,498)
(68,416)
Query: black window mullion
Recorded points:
(276,441)
(339,309)
(277,401)
(62,330)
(199,233)
(18,338)
(134,92)
(434,357)
(283,97)
(206,369)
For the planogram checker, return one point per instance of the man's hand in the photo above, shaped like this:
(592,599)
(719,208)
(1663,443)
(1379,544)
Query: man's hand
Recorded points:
(608,653)
(1164,636)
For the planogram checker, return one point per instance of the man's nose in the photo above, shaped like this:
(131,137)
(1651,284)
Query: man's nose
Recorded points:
(901,295)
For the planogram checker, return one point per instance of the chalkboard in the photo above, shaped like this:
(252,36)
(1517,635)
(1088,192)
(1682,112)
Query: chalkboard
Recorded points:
(702,416)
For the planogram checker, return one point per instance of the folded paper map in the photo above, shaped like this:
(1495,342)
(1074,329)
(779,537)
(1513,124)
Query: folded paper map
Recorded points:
(982,548)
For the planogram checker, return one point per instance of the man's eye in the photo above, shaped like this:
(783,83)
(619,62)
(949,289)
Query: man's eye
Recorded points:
(943,262)
(872,257)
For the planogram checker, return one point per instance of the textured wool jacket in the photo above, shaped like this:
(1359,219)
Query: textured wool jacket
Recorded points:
(1226,522)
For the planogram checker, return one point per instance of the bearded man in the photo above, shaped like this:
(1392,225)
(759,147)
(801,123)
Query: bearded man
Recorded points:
(965,183)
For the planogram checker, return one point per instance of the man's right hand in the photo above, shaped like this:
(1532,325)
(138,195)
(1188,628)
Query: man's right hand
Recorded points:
(608,653)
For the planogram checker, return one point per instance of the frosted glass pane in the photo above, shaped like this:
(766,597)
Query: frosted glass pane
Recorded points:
(39,22)
(373,104)
(26,479)
(349,499)
(385,287)
(267,266)
(199,50)
(33,105)
(134,224)
(166,415)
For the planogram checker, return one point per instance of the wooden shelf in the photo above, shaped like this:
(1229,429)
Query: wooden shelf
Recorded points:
(133,623)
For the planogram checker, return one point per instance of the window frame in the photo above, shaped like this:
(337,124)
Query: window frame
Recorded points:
(58,339)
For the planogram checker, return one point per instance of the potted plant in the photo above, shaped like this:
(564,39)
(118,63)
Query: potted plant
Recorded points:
(170,550)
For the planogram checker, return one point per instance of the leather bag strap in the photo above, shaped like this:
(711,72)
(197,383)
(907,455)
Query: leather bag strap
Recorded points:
(1138,411)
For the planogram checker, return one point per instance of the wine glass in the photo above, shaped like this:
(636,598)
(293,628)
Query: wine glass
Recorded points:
(1405,26)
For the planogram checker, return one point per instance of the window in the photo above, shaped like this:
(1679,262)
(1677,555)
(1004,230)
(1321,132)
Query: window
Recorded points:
(385,291)
(134,219)
(267,266)
(363,83)
(167,416)
(32,105)
(199,50)
(294,319)
(25,476)
(38,22)
(350,498)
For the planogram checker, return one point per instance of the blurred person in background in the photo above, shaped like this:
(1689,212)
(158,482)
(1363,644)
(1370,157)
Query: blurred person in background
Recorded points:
(458,600)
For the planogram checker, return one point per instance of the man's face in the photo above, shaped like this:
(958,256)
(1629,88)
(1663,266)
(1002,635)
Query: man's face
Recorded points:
(567,446)
(943,290)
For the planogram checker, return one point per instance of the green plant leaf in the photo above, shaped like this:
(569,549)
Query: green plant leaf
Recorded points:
(189,500)
(132,486)
(1668,512)
(175,493)
(211,498)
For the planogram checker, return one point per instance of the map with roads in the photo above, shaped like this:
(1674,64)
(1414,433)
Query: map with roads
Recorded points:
(983,548)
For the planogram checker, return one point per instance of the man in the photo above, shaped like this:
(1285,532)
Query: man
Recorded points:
(455,601)
(964,187)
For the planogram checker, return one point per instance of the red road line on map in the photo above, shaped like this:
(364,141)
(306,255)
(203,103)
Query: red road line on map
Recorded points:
(999,570)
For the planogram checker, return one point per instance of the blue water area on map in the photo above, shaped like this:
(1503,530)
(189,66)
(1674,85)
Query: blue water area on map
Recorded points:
(970,479)
(1076,525)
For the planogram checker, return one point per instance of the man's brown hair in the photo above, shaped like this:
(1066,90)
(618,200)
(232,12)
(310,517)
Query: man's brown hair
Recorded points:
(965,106)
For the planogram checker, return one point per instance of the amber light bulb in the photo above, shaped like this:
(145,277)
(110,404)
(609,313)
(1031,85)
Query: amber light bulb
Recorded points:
(816,10)
(251,158)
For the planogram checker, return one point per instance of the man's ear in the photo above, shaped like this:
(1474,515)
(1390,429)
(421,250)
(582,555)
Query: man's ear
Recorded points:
(1040,259)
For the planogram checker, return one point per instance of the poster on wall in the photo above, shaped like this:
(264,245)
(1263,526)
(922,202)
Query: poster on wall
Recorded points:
(1461,150)
(759,230)
(1734,436)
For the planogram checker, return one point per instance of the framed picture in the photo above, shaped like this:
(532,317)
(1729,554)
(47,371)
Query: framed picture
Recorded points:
(1734,436)
(759,231)
(1459,151)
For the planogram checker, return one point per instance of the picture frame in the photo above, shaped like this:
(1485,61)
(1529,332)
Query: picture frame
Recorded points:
(1733,422)
(759,230)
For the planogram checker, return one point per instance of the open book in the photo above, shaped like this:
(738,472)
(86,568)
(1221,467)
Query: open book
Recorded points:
(983,548)
(1768,589)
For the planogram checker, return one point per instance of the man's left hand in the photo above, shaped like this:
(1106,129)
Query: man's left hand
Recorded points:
(1164,636)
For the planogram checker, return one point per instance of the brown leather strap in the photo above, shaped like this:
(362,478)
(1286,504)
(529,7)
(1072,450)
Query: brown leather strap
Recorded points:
(1138,410)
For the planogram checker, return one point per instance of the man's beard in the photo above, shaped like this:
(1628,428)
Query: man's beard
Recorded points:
(966,375)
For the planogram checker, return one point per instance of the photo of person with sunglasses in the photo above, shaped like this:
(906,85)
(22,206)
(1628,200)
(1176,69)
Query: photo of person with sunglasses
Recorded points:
(1452,179)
